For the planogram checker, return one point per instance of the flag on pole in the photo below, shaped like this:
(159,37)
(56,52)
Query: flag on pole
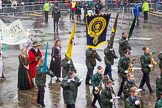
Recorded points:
(132,28)
(44,67)
(96,30)
(113,31)
(70,41)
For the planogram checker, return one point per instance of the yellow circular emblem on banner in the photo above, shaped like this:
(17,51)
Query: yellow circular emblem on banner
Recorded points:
(96,27)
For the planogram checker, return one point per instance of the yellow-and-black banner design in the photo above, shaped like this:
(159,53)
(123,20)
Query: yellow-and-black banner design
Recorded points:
(96,30)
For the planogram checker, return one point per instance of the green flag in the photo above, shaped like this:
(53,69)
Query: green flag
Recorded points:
(132,28)
(113,31)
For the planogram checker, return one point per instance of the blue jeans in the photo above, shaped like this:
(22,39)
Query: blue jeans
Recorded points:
(108,71)
(89,74)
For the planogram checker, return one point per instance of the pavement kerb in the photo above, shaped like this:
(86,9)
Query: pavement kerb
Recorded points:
(155,14)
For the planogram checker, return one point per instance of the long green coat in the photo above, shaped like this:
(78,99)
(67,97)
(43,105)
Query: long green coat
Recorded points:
(109,56)
(123,65)
(158,85)
(67,67)
(126,88)
(89,58)
(145,61)
(131,104)
(159,103)
(96,78)
(105,96)
(123,46)
(70,90)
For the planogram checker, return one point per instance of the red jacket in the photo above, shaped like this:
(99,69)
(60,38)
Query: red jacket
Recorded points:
(33,63)
(73,8)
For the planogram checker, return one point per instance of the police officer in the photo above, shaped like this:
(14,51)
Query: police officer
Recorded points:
(123,69)
(159,79)
(98,7)
(107,95)
(91,56)
(96,80)
(133,101)
(123,44)
(145,9)
(56,16)
(46,9)
(146,69)
(109,60)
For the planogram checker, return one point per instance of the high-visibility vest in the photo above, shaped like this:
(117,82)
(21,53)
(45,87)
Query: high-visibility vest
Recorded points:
(145,7)
(46,7)
(73,4)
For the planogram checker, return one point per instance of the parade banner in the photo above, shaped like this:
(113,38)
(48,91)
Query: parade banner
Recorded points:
(96,30)
(12,34)
(113,31)
(132,28)
(70,41)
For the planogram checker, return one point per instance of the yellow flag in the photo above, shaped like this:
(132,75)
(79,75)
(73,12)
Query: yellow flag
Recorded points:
(70,41)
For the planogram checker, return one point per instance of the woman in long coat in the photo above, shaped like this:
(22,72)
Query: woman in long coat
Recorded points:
(24,76)
(55,65)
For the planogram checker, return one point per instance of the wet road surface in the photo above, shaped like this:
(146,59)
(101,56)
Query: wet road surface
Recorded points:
(145,35)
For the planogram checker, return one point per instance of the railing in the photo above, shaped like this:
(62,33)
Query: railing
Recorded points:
(38,7)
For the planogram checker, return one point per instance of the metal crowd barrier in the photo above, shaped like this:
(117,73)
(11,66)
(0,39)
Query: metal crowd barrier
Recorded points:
(38,7)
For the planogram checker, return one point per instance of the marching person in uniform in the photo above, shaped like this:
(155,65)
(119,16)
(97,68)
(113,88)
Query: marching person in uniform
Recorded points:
(109,60)
(34,57)
(67,65)
(146,69)
(40,80)
(159,102)
(159,80)
(56,16)
(127,85)
(123,44)
(133,101)
(123,65)
(91,56)
(70,86)
(97,85)
(107,95)
(46,9)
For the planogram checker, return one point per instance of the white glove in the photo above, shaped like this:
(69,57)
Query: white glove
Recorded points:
(111,100)
(73,79)
(81,80)
(96,88)
(69,80)
(126,71)
(150,65)
(111,49)
(68,62)
(137,102)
